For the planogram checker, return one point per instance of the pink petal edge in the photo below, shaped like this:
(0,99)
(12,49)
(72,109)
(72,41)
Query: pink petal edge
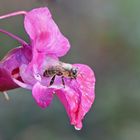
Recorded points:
(79,96)
(44,33)
(42,95)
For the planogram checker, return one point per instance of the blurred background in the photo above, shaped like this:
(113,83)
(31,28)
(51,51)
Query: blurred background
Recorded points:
(105,34)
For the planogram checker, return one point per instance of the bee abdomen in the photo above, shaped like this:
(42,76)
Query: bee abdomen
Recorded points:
(49,73)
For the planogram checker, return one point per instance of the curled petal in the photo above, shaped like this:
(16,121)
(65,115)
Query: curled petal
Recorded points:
(86,84)
(9,67)
(44,33)
(70,100)
(78,95)
(6,82)
(26,74)
(42,95)
(15,58)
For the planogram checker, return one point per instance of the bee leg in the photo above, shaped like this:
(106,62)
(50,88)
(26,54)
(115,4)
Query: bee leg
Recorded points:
(63,82)
(72,79)
(52,80)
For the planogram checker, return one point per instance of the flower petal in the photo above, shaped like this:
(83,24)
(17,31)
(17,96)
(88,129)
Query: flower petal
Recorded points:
(9,67)
(6,82)
(44,33)
(70,100)
(16,57)
(86,82)
(22,84)
(78,95)
(42,95)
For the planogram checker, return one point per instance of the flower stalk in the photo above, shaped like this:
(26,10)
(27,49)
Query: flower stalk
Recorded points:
(21,41)
(13,14)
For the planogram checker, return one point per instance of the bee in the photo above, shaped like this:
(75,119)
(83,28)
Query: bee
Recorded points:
(61,69)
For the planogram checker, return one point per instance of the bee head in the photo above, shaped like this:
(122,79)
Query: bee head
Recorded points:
(74,72)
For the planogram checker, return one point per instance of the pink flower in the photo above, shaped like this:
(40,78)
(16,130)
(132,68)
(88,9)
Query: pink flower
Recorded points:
(10,64)
(36,66)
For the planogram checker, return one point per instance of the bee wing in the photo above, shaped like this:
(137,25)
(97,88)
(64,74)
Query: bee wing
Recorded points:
(44,33)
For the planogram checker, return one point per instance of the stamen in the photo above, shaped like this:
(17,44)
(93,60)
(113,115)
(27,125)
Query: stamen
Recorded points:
(14,37)
(21,84)
(6,95)
(13,14)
